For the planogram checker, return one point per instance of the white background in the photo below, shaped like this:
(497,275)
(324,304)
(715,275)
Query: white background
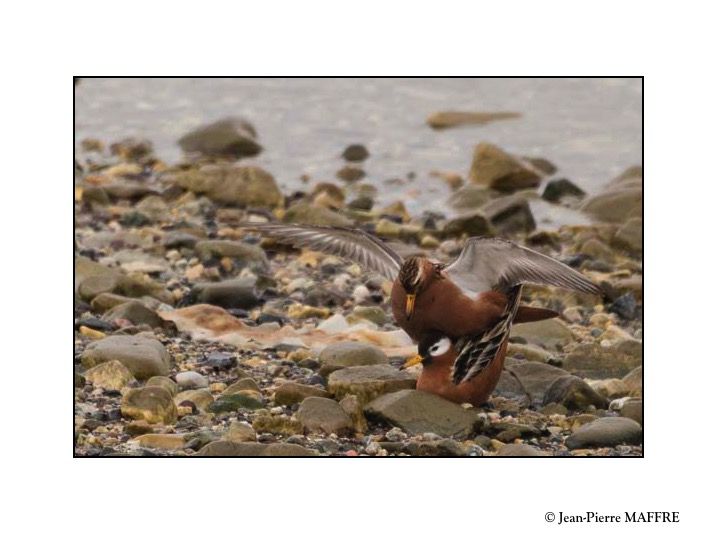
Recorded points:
(46,492)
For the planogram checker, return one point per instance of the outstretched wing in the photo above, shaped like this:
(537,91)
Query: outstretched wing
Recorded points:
(476,352)
(495,264)
(352,244)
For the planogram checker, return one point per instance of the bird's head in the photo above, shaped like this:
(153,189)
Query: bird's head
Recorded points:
(415,275)
(431,346)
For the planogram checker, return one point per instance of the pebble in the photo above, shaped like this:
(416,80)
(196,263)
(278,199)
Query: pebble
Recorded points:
(187,380)
(112,375)
(609,431)
(144,357)
(368,382)
(152,404)
(348,354)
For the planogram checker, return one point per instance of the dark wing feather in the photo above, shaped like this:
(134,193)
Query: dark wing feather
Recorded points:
(495,264)
(352,244)
(476,352)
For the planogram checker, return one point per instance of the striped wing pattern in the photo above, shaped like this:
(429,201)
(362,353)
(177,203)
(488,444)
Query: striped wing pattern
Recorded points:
(476,352)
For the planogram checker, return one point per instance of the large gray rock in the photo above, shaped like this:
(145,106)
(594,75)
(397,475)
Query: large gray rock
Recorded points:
(609,431)
(621,200)
(134,311)
(348,354)
(497,169)
(235,449)
(152,404)
(144,357)
(236,186)
(593,361)
(92,278)
(368,382)
(318,414)
(419,412)
(533,378)
(232,293)
(573,393)
(231,138)
(633,409)
(510,214)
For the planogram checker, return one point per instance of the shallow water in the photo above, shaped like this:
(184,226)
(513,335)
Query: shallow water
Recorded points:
(590,128)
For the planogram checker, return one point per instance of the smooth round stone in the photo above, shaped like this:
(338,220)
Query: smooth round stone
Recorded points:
(187,380)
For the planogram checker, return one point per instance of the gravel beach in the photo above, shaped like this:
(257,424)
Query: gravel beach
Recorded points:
(196,338)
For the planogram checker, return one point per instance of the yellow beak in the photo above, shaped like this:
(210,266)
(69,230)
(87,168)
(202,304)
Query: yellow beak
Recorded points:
(409,305)
(413,361)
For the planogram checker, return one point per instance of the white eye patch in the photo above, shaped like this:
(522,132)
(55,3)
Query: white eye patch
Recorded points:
(441,347)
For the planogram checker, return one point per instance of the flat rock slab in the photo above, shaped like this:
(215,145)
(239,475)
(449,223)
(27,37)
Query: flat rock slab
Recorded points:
(144,357)
(593,361)
(161,441)
(291,393)
(349,354)
(419,412)
(609,431)
(368,382)
(534,380)
(233,449)
(318,414)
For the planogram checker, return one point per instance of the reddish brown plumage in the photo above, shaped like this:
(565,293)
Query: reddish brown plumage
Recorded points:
(435,378)
(441,306)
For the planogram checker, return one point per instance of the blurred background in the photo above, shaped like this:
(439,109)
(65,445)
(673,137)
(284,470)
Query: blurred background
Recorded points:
(589,128)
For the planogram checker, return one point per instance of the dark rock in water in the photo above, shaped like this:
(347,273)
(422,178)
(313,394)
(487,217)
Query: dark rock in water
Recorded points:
(620,201)
(308,214)
(319,414)
(625,306)
(236,186)
(471,197)
(233,293)
(498,170)
(220,360)
(556,190)
(472,224)
(227,448)
(136,312)
(132,149)
(573,393)
(361,203)
(419,412)
(350,174)
(448,119)
(355,152)
(609,431)
(510,214)
(231,138)
(543,165)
